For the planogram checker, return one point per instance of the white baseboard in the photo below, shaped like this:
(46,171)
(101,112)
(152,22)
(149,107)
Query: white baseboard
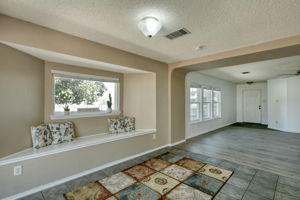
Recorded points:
(207,131)
(75,176)
(176,143)
(283,130)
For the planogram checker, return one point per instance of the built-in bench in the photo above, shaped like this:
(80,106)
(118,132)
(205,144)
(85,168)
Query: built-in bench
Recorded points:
(77,143)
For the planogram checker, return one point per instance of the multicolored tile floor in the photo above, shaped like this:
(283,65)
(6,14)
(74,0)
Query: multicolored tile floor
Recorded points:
(166,177)
(246,183)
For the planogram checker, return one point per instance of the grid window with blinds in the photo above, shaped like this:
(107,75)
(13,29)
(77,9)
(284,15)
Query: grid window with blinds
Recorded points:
(205,103)
(84,93)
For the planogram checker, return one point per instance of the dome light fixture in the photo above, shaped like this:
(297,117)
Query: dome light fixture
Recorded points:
(149,26)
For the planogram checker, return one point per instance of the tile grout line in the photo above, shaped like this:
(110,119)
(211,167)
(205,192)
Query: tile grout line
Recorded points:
(249,184)
(42,195)
(275,188)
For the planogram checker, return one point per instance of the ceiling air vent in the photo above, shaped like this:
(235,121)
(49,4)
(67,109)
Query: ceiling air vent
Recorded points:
(178,33)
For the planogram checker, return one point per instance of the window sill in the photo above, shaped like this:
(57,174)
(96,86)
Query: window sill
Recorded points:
(82,115)
(77,143)
(203,121)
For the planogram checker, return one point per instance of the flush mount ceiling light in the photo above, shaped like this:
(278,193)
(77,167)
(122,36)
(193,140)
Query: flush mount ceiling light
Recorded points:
(149,26)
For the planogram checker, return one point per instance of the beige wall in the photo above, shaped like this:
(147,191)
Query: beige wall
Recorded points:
(68,163)
(84,126)
(140,99)
(178,105)
(22,96)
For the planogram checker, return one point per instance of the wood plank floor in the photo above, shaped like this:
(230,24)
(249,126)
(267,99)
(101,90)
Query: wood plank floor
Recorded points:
(274,151)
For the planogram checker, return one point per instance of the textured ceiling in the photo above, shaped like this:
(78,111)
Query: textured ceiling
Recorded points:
(218,24)
(259,71)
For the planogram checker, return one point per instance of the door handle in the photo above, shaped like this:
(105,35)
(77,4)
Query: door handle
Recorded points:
(259,107)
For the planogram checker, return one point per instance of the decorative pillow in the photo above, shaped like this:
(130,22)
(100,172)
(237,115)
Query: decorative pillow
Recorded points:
(115,126)
(62,132)
(129,124)
(41,136)
(121,124)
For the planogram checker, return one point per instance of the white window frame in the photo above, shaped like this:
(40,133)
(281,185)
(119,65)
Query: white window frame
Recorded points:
(60,115)
(201,103)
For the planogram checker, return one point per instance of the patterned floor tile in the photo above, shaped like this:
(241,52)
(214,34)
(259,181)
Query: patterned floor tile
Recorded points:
(112,198)
(170,157)
(160,182)
(205,183)
(156,164)
(177,172)
(138,191)
(91,191)
(186,192)
(215,172)
(139,172)
(190,164)
(117,182)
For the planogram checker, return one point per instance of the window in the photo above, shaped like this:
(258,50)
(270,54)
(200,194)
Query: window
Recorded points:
(195,99)
(205,103)
(84,93)
(216,104)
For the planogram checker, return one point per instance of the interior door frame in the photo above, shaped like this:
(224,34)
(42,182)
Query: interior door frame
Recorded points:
(243,103)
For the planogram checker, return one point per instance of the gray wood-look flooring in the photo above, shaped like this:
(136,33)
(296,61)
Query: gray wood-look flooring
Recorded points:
(274,151)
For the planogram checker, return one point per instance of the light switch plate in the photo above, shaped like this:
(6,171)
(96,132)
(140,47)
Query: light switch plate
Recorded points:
(18,170)
(154,136)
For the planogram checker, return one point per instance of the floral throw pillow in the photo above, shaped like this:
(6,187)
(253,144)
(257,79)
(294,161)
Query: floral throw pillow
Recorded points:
(62,132)
(129,124)
(121,125)
(115,126)
(41,136)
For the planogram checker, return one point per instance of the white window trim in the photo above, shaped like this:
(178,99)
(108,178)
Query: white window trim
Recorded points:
(194,85)
(73,115)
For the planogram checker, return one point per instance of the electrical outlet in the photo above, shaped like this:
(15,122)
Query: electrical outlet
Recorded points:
(154,136)
(18,170)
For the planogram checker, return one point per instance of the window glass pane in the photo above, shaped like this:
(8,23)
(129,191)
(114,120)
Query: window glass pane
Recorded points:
(81,94)
(216,110)
(195,94)
(206,95)
(194,111)
(206,111)
(216,96)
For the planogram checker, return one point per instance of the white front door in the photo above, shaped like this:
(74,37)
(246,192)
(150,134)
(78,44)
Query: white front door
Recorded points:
(252,106)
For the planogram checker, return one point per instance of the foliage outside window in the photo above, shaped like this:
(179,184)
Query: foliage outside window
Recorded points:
(205,104)
(80,94)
